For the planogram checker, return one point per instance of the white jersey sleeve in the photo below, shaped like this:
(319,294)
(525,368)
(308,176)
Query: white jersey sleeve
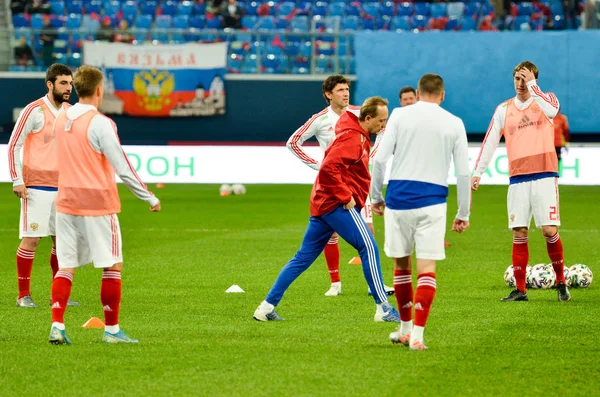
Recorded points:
(491,141)
(30,119)
(302,134)
(546,101)
(102,134)
(382,151)
(460,155)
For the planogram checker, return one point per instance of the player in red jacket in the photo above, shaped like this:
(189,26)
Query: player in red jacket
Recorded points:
(338,194)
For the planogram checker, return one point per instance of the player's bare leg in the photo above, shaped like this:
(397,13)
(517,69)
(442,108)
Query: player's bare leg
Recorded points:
(556,254)
(426,287)
(110,296)
(520,259)
(25,257)
(404,297)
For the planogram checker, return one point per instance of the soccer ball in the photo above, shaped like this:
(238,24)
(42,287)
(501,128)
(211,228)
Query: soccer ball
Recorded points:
(567,273)
(238,189)
(225,190)
(509,277)
(542,276)
(581,276)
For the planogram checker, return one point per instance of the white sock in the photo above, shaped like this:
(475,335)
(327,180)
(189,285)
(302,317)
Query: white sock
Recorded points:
(406,327)
(417,334)
(60,326)
(380,306)
(111,329)
(337,284)
(266,306)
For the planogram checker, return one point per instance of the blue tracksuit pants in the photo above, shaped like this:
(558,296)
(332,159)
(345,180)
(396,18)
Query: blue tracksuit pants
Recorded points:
(350,225)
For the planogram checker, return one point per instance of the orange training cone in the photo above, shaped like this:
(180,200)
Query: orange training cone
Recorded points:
(93,322)
(355,261)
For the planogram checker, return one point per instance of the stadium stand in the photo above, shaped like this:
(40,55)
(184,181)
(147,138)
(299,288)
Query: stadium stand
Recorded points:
(297,37)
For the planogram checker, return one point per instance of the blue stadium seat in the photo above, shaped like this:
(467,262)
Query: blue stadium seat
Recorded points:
(337,9)
(350,23)
(148,7)
(112,8)
(23,31)
(199,8)
(286,8)
(281,24)
(73,21)
(438,10)
(324,65)
(472,9)
(486,9)
(405,9)
(93,7)
(422,9)
(292,48)
(453,23)
(168,7)
(251,8)
(185,8)
(266,24)
(20,21)
(181,22)
(369,24)
(90,25)
(235,63)
(140,34)
(522,22)
(163,21)
(143,21)
(400,23)
(319,8)
(557,8)
(57,7)
(249,22)
(525,8)
(197,22)
(468,23)
(250,64)
(299,23)
(387,9)
(420,22)
(58,22)
(130,9)
(74,60)
(371,9)
(214,23)
(74,7)
(37,21)
(353,9)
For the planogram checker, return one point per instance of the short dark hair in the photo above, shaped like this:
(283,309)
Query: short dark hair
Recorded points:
(330,83)
(406,89)
(370,107)
(431,83)
(526,65)
(86,80)
(57,69)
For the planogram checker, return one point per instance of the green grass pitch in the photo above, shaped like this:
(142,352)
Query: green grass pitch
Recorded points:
(197,340)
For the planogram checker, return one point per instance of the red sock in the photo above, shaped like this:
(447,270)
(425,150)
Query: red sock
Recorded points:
(556,254)
(520,258)
(332,257)
(53,261)
(61,290)
(403,290)
(110,296)
(426,286)
(24,265)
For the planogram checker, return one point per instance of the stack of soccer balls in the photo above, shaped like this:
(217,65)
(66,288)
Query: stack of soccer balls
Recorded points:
(542,276)
(237,189)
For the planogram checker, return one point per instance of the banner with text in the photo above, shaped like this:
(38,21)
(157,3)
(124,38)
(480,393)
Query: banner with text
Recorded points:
(275,164)
(160,80)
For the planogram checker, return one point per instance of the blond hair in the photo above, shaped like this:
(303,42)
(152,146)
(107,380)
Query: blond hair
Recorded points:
(370,107)
(86,80)
(526,65)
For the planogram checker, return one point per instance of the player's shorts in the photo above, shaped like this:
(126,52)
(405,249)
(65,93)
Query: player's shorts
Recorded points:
(85,239)
(367,211)
(38,214)
(424,227)
(537,198)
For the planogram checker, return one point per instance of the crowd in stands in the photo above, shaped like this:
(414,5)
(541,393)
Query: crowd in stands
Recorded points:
(272,37)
